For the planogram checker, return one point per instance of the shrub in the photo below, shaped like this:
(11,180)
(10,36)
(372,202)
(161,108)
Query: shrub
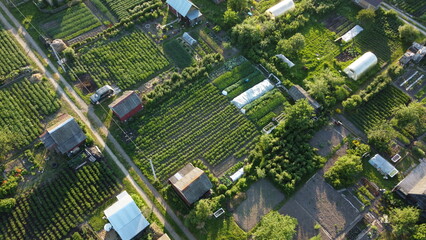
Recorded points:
(7,204)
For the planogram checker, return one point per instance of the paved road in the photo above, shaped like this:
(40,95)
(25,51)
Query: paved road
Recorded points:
(95,128)
(403,16)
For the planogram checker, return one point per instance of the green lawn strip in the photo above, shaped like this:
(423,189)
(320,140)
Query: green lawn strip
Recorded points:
(178,53)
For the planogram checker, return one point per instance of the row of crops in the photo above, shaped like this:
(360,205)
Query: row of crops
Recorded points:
(70,22)
(178,54)
(23,106)
(125,61)
(11,57)
(197,123)
(53,210)
(378,108)
(261,111)
(415,7)
(125,8)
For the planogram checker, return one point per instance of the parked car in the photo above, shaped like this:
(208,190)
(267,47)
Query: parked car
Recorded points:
(102,93)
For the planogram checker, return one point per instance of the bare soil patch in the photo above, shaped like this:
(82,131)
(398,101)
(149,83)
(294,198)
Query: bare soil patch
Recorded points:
(345,56)
(261,198)
(327,138)
(87,84)
(318,202)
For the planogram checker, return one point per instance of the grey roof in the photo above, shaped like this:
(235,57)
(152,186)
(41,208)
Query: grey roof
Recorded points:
(67,134)
(415,182)
(181,6)
(297,92)
(194,14)
(192,182)
(126,103)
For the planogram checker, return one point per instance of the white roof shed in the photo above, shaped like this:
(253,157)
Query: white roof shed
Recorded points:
(285,59)
(361,65)
(281,8)
(352,33)
(188,39)
(125,217)
(252,94)
(383,166)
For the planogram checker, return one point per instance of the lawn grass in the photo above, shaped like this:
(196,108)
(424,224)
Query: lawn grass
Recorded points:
(223,228)
(375,176)
(177,53)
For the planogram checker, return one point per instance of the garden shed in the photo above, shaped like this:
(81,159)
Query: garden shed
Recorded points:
(281,8)
(185,10)
(252,94)
(285,59)
(125,217)
(413,187)
(190,183)
(64,136)
(126,106)
(383,166)
(297,92)
(361,65)
(188,39)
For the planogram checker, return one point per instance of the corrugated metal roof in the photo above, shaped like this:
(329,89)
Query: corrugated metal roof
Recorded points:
(126,103)
(192,182)
(181,6)
(125,217)
(415,181)
(66,134)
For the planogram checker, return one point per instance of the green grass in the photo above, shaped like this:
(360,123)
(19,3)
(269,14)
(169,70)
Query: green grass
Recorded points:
(197,123)
(125,8)
(130,58)
(263,106)
(178,53)
(375,176)
(223,228)
(378,108)
(65,24)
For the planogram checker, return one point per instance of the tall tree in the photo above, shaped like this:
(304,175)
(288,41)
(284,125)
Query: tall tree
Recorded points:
(408,33)
(291,45)
(344,171)
(380,136)
(366,16)
(237,5)
(275,226)
(403,221)
(412,116)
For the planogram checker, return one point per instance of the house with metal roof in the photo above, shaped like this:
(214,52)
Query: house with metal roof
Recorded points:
(64,136)
(185,10)
(373,4)
(125,217)
(297,92)
(413,187)
(126,105)
(190,183)
(383,166)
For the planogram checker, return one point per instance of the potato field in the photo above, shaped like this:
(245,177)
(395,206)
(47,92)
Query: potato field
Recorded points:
(11,56)
(23,106)
(54,209)
(125,8)
(70,22)
(378,108)
(125,61)
(197,123)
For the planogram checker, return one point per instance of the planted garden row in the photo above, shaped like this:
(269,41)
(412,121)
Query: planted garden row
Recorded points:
(11,57)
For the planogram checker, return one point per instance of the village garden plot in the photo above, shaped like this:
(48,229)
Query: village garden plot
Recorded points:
(65,24)
(125,8)
(127,59)
(12,59)
(415,8)
(196,124)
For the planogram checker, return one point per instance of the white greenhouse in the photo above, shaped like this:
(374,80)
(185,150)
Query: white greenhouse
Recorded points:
(361,65)
(285,59)
(352,33)
(281,8)
(252,94)
(188,39)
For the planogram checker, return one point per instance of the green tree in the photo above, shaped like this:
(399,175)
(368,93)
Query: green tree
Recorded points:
(275,226)
(69,54)
(5,144)
(411,116)
(403,221)
(408,33)
(344,171)
(380,136)
(202,211)
(291,45)
(318,88)
(237,5)
(230,17)
(7,204)
(420,233)
(76,236)
(366,16)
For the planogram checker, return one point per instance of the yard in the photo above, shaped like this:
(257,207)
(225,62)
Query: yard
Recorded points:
(327,139)
(318,203)
(261,198)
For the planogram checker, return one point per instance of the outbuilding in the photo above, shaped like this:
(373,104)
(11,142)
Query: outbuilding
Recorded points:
(64,136)
(185,10)
(361,65)
(413,187)
(281,8)
(126,105)
(252,94)
(297,92)
(190,183)
(383,166)
(125,217)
